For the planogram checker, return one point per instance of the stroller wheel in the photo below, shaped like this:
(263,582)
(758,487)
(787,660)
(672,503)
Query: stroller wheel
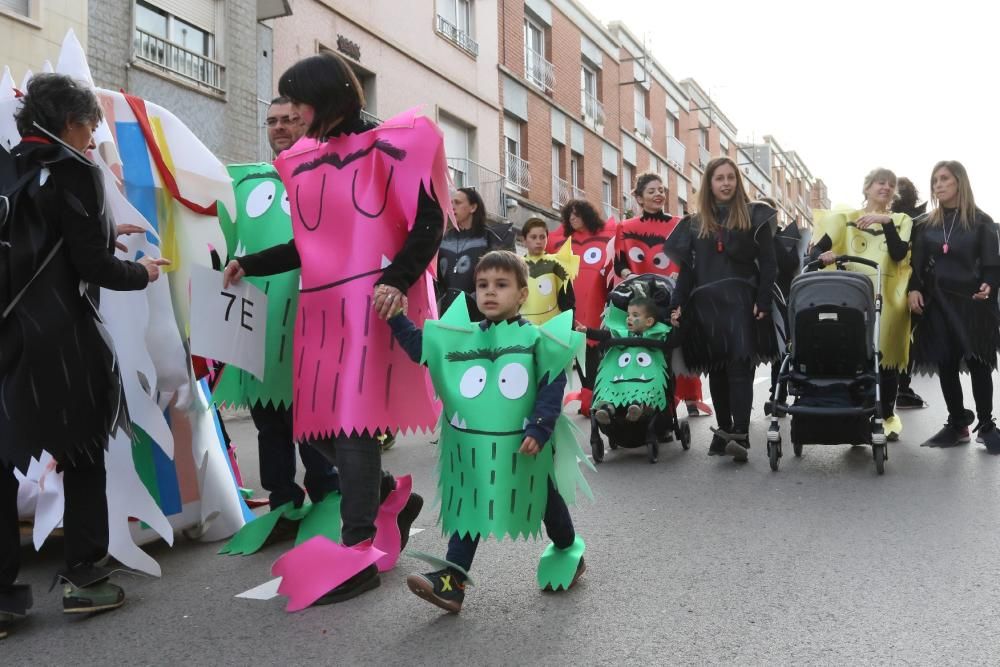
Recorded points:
(878,453)
(685,436)
(597,449)
(797,447)
(774,453)
(653,451)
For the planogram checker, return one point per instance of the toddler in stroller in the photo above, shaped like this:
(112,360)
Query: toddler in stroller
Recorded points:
(633,392)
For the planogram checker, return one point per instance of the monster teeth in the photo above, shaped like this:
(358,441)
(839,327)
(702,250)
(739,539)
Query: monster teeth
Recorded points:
(455,422)
(463,424)
(525,424)
(642,376)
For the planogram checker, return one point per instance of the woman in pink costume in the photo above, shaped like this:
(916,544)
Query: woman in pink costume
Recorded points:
(368,206)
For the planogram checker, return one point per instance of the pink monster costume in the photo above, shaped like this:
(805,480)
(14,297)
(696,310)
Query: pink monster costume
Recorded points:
(353,202)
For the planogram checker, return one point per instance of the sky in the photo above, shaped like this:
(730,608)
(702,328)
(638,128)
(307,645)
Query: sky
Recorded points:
(849,85)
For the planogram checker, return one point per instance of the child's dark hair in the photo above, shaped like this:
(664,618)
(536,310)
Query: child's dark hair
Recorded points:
(645,304)
(505,261)
(534,223)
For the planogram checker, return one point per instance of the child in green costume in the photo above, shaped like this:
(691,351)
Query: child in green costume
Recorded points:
(509,459)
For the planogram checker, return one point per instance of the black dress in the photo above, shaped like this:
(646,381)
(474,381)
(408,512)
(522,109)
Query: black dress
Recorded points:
(955,326)
(722,278)
(60,389)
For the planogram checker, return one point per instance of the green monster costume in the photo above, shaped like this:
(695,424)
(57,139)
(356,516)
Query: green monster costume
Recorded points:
(488,381)
(632,375)
(262,221)
(870,243)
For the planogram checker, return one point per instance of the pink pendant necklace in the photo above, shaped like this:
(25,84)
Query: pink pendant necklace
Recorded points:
(946,232)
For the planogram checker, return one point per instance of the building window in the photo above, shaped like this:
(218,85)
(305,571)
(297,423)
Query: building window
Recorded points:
(576,175)
(608,196)
(672,125)
(515,166)
(182,46)
(642,124)
(20,7)
(628,183)
(454,23)
(560,186)
(593,110)
(537,69)
(457,148)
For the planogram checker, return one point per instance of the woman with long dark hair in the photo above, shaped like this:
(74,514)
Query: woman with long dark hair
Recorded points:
(880,235)
(953,289)
(639,248)
(367,221)
(462,246)
(59,382)
(723,298)
(593,240)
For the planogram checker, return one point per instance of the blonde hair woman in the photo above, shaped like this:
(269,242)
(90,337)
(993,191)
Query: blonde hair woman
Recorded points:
(723,297)
(956,270)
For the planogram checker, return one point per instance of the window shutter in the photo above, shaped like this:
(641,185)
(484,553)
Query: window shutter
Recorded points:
(199,13)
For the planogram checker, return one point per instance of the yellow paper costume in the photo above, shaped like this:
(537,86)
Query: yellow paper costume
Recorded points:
(548,275)
(847,239)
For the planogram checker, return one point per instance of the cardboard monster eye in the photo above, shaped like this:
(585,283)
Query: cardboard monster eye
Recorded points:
(592,255)
(625,359)
(285,205)
(636,254)
(545,285)
(260,199)
(643,359)
(660,260)
(473,381)
(513,381)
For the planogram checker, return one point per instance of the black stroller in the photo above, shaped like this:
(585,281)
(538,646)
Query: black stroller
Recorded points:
(665,425)
(832,363)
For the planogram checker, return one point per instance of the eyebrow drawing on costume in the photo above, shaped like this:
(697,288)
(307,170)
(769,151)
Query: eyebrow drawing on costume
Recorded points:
(335,160)
(260,175)
(487,354)
(648,239)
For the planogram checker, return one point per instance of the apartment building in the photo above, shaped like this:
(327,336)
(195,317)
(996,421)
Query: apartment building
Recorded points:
(33,32)
(437,54)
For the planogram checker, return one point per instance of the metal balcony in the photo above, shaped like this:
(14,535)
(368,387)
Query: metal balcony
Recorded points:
(489,184)
(454,34)
(538,70)
(610,211)
(593,110)
(561,192)
(175,59)
(369,117)
(643,125)
(518,175)
(703,156)
(676,153)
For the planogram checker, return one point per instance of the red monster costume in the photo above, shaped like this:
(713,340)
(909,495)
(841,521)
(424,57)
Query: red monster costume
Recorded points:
(596,251)
(639,248)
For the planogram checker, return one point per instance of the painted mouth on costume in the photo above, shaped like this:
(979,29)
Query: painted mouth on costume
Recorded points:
(621,379)
(544,312)
(459,424)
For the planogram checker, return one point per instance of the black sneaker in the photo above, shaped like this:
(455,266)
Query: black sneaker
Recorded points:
(284,530)
(738,449)
(363,581)
(407,516)
(444,588)
(7,620)
(909,400)
(949,436)
(989,436)
(718,446)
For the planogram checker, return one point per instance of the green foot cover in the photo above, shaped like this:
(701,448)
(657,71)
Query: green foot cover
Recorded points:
(322,518)
(488,381)
(632,375)
(557,567)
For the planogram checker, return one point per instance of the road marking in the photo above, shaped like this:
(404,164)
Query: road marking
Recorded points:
(269,589)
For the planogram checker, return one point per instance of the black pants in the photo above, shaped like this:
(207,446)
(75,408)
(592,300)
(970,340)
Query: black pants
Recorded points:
(889,389)
(85,519)
(592,359)
(276,451)
(363,484)
(982,389)
(732,395)
(558,526)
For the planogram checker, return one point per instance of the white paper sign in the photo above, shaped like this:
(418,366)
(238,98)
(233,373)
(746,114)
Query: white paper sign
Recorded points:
(228,324)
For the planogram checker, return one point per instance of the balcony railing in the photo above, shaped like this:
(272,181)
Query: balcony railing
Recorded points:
(593,110)
(610,211)
(643,125)
(369,117)
(457,35)
(489,184)
(538,70)
(264,153)
(178,60)
(561,192)
(703,156)
(676,153)
(517,173)
(577,193)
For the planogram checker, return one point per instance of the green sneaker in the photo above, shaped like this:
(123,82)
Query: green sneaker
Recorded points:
(100,596)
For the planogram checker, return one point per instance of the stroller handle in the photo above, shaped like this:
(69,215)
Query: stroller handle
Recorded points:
(840,260)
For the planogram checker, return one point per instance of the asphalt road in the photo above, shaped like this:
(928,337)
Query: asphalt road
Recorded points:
(693,560)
